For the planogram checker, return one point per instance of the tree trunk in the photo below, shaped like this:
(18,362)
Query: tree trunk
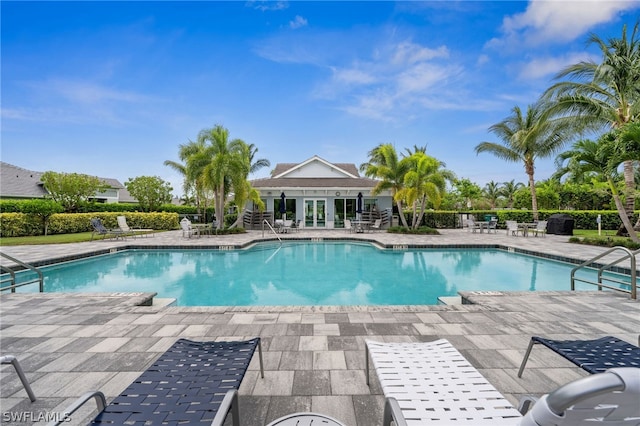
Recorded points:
(401,214)
(626,222)
(534,199)
(630,199)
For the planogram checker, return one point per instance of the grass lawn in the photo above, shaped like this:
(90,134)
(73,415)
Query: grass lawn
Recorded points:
(49,239)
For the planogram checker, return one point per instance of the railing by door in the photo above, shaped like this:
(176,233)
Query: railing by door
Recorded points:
(11,276)
(608,281)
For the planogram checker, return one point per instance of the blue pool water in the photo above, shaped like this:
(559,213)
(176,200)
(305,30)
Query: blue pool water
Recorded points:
(303,273)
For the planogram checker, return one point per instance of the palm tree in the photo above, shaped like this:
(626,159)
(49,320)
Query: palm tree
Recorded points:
(242,189)
(256,164)
(385,165)
(508,191)
(425,180)
(604,95)
(603,158)
(492,193)
(222,162)
(192,172)
(525,138)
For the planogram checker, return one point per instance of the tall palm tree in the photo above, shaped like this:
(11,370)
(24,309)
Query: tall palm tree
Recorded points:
(604,95)
(222,161)
(192,171)
(508,191)
(492,193)
(601,157)
(425,180)
(385,165)
(526,138)
(242,189)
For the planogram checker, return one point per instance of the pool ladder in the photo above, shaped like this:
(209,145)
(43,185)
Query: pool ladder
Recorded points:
(608,281)
(264,221)
(10,276)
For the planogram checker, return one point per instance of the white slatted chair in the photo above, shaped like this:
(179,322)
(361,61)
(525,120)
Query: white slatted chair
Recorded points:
(512,227)
(433,384)
(541,228)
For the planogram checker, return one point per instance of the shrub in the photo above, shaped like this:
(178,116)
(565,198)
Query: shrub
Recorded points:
(423,230)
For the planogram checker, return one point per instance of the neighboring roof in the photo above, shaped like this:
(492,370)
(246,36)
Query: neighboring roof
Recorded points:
(296,175)
(18,182)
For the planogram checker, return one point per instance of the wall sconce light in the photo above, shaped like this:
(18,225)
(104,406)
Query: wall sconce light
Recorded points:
(337,193)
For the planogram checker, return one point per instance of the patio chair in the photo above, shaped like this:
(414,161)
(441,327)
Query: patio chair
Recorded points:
(99,228)
(124,227)
(377,225)
(286,225)
(472,225)
(192,382)
(347,225)
(541,228)
(10,359)
(594,356)
(187,229)
(432,383)
(493,225)
(512,227)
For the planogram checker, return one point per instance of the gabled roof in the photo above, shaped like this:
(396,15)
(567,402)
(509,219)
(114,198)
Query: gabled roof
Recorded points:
(18,182)
(315,173)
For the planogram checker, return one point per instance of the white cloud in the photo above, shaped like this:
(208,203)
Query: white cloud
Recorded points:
(407,53)
(558,21)
(298,22)
(548,66)
(268,5)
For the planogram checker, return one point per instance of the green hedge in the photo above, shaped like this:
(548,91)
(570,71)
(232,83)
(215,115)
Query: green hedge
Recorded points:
(21,224)
(15,206)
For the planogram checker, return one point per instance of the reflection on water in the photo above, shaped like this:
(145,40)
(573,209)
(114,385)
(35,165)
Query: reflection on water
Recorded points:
(308,274)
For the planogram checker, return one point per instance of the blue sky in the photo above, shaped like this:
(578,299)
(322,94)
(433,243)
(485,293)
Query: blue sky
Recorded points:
(113,88)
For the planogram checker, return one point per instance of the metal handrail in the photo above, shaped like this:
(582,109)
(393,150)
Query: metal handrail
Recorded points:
(630,255)
(270,227)
(13,286)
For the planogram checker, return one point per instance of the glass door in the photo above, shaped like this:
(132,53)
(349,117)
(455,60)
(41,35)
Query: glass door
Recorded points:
(315,214)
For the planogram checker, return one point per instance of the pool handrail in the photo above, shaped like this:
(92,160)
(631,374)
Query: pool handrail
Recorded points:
(631,255)
(270,227)
(12,273)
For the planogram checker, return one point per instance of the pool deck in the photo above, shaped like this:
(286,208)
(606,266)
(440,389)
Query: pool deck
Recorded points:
(314,356)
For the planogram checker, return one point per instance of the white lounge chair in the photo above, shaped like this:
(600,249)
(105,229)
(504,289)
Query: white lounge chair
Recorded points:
(347,225)
(187,230)
(512,227)
(124,227)
(433,384)
(541,228)
(377,225)
(472,225)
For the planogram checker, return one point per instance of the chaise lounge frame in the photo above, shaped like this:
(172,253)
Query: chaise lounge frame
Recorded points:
(192,382)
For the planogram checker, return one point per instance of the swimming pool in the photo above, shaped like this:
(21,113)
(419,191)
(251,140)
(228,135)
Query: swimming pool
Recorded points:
(308,273)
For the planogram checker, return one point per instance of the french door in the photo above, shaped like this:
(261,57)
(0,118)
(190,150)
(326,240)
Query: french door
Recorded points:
(315,213)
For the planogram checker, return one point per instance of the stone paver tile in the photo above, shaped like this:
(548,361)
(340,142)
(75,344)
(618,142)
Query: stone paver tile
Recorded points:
(66,362)
(123,319)
(84,383)
(109,344)
(313,343)
(118,383)
(354,360)
(290,318)
(52,344)
(339,407)
(312,318)
(296,360)
(284,343)
(329,360)
(360,317)
(326,330)
(347,329)
(275,383)
(195,331)
(336,318)
(299,329)
(242,318)
(309,382)
(283,406)
(267,318)
(254,410)
(170,330)
(148,319)
(348,382)
(430,317)
(368,409)
(342,343)
(274,330)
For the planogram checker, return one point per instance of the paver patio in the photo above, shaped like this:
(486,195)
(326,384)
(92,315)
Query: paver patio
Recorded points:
(314,356)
